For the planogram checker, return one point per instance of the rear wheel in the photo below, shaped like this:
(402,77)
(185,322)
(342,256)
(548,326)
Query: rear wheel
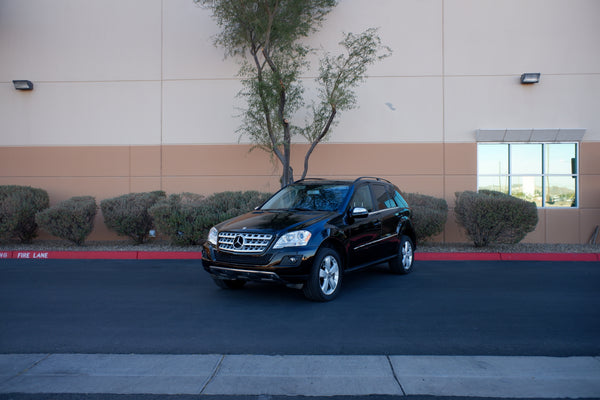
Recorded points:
(229,283)
(325,278)
(403,262)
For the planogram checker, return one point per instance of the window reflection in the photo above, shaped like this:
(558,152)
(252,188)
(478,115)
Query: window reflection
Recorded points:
(362,198)
(561,191)
(527,188)
(382,197)
(492,159)
(495,183)
(400,202)
(561,158)
(308,197)
(544,173)
(526,158)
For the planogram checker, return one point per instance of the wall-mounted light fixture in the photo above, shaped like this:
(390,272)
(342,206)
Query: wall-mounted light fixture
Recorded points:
(530,77)
(23,85)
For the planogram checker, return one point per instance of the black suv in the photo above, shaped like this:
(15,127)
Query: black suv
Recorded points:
(312,232)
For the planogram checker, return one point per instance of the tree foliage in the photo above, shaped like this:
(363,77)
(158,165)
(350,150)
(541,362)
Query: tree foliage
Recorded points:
(266,36)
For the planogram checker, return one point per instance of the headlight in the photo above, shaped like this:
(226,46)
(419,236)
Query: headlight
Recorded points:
(293,239)
(213,236)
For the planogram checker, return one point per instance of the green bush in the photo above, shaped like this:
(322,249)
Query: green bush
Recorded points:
(180,218)
(72,219)
(429,214)
(494,217)
(186,218)
(128,215)
(18,206)
(227,205)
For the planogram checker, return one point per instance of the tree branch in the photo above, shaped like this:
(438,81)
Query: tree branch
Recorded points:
(265,106)
(318,140)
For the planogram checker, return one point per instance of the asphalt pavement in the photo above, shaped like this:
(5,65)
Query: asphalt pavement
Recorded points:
(483,329)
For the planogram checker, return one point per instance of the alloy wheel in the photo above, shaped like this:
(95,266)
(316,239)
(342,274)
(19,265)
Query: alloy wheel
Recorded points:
(329,275)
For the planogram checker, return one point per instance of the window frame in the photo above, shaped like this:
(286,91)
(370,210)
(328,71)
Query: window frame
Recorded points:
(544,174)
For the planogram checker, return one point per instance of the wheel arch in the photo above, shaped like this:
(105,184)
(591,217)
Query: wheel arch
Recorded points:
(406,228)
(338,247)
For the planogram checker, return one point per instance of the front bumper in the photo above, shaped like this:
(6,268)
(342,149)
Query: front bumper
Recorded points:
(288,265)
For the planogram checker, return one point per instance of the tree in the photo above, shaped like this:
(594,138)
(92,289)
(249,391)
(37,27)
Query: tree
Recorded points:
(266,36)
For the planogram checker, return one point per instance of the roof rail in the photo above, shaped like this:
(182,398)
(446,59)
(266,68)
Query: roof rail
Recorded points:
(310,179)
(371,177)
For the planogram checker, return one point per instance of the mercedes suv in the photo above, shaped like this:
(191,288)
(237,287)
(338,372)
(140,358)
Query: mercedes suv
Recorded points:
(310,233)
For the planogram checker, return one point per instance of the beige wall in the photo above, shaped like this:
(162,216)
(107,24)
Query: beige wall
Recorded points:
(145,72)
(429,168)
(131,95)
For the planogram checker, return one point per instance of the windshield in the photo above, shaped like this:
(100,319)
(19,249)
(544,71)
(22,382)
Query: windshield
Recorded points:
(317,197)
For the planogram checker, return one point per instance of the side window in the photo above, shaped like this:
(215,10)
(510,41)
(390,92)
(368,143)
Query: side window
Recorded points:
(362,198)
(382,197)
(400,200)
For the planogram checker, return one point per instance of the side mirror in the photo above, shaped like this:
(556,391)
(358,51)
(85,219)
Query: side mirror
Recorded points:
(359,212)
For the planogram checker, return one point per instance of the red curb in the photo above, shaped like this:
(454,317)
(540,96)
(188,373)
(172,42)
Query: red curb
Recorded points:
(102,255)
(169,255)
(75,255)
(457,256)
(196,255)
(550,256)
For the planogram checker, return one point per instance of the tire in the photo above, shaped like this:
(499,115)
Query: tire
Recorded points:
(402,264)
(325,279)
(229,283)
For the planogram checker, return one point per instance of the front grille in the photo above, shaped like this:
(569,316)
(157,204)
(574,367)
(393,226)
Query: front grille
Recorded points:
(244,242)
(250,259)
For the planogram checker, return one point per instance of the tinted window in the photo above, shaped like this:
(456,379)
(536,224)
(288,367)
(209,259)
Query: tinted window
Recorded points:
(400,202)
(362,198)
(308,197)
(382,197)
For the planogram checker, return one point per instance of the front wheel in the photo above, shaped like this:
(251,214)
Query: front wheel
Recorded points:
(325,279)
(403,262)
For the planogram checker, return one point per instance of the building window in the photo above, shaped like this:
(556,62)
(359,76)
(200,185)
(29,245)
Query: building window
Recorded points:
(545,173)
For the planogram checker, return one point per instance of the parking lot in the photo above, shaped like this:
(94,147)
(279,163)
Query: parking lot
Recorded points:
(173,307)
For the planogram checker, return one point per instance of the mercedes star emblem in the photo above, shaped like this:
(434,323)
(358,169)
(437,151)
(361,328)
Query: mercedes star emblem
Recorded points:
(238,242)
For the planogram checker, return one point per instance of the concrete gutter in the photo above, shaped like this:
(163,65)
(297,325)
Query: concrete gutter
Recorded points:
(194,255)
(299,375)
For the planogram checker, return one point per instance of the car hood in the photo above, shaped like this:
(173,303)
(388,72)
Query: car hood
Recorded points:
(274,221)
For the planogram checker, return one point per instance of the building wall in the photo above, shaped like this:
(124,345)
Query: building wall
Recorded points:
(131,95)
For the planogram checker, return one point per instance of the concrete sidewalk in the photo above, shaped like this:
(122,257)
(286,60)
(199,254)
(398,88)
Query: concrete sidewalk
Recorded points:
(482,376)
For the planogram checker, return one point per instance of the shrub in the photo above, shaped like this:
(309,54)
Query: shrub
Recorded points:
(18,206)
(186,218)
(180,218)
(494,217)
(128,215)
(227,205)
(429,214)
(71,219)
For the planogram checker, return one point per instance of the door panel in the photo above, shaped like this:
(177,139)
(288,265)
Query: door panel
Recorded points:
(388,216)
(363,233)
